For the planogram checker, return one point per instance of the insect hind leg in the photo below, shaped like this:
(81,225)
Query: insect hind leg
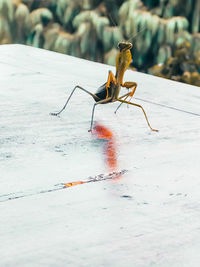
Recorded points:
(96,98)
(137,105)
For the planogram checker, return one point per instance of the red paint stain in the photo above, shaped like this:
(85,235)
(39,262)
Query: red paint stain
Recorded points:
(110,151)
(74,183)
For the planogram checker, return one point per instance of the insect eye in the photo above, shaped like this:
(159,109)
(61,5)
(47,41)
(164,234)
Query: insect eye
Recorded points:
(121,46)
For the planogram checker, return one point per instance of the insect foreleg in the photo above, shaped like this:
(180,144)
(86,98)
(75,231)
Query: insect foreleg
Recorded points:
(111,79)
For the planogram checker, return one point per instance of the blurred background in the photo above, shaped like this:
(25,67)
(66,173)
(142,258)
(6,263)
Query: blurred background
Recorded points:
(165,33)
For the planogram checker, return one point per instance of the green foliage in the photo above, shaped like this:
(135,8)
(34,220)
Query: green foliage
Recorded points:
(183,65)
(91,29)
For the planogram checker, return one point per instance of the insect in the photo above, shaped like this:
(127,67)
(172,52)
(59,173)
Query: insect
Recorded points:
(109,91)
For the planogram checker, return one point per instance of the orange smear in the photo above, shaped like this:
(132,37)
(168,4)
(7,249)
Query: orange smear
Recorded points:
(73,183)
(110,147)
(102,132)
(111,156)
(110,153)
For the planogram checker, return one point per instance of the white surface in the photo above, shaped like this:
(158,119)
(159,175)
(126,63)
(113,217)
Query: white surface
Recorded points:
(148,217)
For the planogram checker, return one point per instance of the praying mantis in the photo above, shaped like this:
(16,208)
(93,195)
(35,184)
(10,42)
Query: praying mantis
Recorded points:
(109,91)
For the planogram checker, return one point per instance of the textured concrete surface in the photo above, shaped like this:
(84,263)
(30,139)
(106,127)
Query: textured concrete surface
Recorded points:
(145,216)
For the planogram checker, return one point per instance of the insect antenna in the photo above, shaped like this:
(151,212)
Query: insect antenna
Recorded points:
(135,35)
(112,20)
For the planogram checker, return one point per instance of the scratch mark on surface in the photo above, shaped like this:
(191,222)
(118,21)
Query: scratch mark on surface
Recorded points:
(60,186)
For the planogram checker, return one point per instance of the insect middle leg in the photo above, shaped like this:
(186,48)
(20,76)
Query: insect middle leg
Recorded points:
(104,101)
(127,85)
(96,98)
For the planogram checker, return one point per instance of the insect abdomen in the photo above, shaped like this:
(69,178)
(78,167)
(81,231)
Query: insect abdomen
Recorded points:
(101,92)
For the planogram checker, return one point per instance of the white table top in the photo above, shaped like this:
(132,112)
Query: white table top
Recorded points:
(149,216)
